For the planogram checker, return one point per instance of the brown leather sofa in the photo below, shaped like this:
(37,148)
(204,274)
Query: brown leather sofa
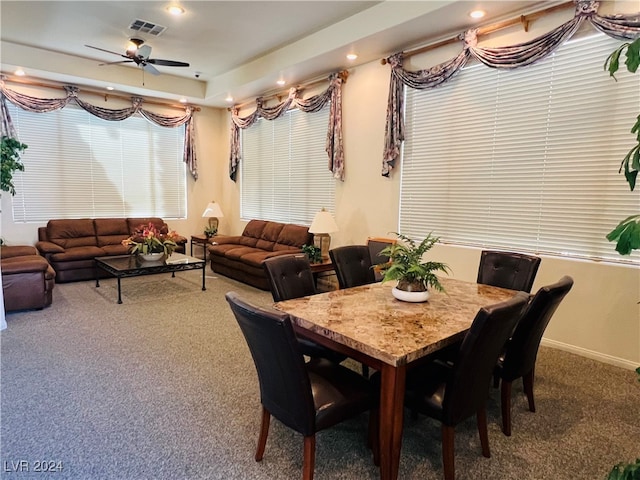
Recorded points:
(240,257)
(70,245)
(27,278)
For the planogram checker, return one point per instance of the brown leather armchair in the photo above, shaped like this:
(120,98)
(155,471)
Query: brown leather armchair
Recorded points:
(27,278)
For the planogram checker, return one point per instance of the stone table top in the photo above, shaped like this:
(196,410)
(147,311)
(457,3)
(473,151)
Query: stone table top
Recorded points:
(370,320)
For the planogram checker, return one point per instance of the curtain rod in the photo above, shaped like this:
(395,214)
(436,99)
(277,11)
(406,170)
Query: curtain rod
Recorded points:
(106,95)
(344,74)
(522,19)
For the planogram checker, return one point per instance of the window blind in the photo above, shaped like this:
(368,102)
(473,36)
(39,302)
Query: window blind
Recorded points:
(525,159)
(284,168)
(80,166)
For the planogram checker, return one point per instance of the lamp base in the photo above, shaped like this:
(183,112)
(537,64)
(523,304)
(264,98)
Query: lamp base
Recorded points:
(322,241)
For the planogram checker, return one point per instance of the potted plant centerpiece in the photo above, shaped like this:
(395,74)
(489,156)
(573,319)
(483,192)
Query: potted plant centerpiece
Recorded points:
(414,276)
(148,242)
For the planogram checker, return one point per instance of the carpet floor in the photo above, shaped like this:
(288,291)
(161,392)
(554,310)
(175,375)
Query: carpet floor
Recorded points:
(163,387)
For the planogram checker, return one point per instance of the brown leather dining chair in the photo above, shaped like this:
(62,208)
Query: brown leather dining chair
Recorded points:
(515,271)
(290,277)
(519,358)
(452,392)
(352,264)
(306,397)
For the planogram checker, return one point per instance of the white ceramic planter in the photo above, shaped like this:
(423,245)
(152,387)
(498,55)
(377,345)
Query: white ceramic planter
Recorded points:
(151,257)
(415,297)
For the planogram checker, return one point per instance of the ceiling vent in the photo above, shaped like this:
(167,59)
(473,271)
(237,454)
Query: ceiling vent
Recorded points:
(147,27)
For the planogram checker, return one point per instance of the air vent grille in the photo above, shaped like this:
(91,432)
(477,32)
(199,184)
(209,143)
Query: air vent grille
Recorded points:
(147,27)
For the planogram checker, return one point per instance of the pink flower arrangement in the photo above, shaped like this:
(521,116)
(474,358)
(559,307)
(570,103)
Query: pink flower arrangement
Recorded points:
(148,239)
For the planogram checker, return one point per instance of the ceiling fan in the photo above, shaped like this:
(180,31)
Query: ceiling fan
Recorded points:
(139,54)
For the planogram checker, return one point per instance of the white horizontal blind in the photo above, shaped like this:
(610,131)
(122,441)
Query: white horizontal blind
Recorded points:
(525,159)
(284,170)
(80,166)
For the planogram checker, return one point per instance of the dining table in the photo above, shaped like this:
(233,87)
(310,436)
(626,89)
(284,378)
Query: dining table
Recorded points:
(369,325)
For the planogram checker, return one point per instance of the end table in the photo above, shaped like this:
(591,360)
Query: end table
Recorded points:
(203,241)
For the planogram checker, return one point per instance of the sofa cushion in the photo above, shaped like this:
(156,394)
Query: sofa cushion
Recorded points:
(77,253)
(118,249)
(72,233)
(239,252)
(272,231)
(254,228)
(292,236)
(111,231)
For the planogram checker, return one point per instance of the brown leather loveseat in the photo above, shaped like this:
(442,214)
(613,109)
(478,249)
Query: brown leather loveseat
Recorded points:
(70,245)
(27,278)
(240,257)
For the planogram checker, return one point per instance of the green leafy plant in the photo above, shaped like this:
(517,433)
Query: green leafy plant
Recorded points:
(406,266)
(10,157)
(627,232)
(313,252)
(210,231)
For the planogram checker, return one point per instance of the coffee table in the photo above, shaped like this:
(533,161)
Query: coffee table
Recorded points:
(122,266)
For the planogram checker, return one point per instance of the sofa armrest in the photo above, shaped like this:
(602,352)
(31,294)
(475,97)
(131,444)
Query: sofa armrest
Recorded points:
(33,263)
(222,239)
(48,248)
(9,251)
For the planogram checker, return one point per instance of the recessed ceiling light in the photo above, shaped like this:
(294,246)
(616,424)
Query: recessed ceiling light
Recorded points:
(175,10)
(183,100)
(229,99)
(351,56)
(19,72)
(281,82)
(477,14)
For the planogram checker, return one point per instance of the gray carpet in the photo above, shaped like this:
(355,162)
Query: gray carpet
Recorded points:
(163,387)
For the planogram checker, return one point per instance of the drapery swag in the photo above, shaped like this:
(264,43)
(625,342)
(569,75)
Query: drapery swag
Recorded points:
(333,147)
(43,105)
(622,27)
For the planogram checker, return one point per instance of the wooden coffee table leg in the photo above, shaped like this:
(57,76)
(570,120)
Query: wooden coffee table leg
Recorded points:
(119,295)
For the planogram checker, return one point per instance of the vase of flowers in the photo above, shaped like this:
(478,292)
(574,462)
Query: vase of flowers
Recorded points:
(412,274)
(150,244)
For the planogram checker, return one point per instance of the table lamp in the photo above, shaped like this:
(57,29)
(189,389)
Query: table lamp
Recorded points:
(213,212)
(323,224)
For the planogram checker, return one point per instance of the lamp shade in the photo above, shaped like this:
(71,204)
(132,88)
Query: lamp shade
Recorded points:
(323,222)
(213,210)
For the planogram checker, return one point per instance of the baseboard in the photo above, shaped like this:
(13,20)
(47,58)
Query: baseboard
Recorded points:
(583,352)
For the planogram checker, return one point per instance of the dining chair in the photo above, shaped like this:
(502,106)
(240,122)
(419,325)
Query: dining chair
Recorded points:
(519,358)
(352,264)
(290,277)
(452,392)
(306,397)
(515,271)
(376,245)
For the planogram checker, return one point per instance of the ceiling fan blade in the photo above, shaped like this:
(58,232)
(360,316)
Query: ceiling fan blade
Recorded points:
(150,68)
(167,63)
(144,51)
(108,51)
(115,63)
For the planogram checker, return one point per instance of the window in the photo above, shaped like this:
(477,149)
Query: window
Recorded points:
(524,159)
(284,170)
(80,166)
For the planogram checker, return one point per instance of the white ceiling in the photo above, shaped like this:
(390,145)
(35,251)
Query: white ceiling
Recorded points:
(237,48)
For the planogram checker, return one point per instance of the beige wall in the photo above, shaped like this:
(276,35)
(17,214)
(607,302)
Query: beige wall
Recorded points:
(600,318)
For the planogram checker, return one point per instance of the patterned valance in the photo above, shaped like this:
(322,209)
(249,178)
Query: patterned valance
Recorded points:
(43,105)
(333,147)
(623,27)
